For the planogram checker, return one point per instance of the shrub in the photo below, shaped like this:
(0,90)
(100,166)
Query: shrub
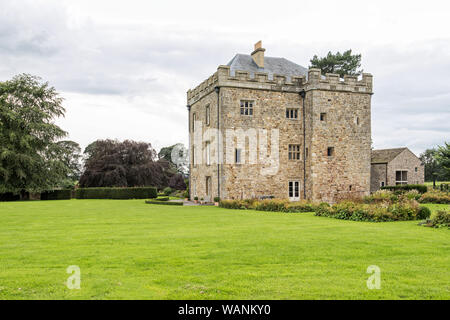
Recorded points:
(434,196)
(271,205)
(301,206)
(380,196)
(216,199)
(195,198)
(412,195)
(440,220)
(238,204)
(167,191)
(116,193)
(8,196)
(376,212)
(169,203)
(186,194)
(57,195)
(164,198)
(424,213)
(406,187)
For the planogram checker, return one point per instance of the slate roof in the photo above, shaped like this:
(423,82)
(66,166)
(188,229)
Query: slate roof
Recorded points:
(272,66)
(385,155)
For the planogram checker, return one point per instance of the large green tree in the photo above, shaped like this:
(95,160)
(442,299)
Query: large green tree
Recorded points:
(443,157)
(342,64)
(434,160)
(32,156)
(176,155)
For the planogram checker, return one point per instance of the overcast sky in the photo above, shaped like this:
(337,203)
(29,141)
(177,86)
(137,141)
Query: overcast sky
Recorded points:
(124,67)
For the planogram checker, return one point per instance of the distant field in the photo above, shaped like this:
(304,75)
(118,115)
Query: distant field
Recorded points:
(130,250)
(437,183)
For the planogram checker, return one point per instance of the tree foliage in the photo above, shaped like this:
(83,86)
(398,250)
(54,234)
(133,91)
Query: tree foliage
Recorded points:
(177,156)
(443,157)
(342,64)
(32,157)
(111,163)
(435,160)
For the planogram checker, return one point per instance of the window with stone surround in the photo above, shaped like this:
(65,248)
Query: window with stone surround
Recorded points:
(208,186)
(323,116)
(382,184)
(294,190)
(401,177)
(208,117)
(237,156)
(247,107)
(294,152)
(330,151)
(291,113)
(194,118)
(208,153)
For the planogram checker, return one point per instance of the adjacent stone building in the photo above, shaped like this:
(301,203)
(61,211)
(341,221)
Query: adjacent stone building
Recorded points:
(266,127)
(395,166)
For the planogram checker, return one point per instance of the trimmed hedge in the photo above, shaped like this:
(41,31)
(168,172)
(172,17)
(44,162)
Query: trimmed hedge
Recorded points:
(116,193)
(9,196)
(160,198)
(407,187)
(168,203)
(65,194)
(274,205)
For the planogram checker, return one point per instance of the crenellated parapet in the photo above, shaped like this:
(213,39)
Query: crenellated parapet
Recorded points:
(202,89)
(261,81)
(333,82)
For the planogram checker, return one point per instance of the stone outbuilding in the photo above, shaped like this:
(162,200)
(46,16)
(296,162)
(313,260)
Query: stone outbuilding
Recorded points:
(395,166)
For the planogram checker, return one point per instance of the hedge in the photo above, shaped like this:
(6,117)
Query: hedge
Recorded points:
(403,210)
(168,203)
(275,205)
(65,194)
(348,210)
(440,220)
(435,197)
(407,187)
(116,193)
(162,198)
(8,196)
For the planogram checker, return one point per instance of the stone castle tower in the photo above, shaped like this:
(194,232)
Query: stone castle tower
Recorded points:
(265,127)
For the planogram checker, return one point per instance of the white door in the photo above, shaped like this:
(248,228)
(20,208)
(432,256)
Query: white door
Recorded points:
(294,190)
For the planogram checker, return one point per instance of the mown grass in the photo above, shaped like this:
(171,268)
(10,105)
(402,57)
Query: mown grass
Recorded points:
(430,183)
(127,249)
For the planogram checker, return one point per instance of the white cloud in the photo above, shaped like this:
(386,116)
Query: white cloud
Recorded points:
(124,68)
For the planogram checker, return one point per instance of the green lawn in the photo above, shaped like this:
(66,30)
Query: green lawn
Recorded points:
(430,184)
(131,250)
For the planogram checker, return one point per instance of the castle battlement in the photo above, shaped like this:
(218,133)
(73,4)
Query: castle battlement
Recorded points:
(333,82)
(260,80)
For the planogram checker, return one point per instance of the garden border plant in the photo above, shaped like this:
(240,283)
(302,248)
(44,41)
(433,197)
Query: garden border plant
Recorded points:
(384,205)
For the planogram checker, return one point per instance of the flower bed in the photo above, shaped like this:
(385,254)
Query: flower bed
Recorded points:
(381,206)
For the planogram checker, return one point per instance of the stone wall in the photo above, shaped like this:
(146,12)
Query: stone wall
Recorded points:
(406,161)
(261,178)
(347,129)
(200,170)
(377,175)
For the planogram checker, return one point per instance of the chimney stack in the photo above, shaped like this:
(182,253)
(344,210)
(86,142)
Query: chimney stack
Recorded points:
(258,54)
